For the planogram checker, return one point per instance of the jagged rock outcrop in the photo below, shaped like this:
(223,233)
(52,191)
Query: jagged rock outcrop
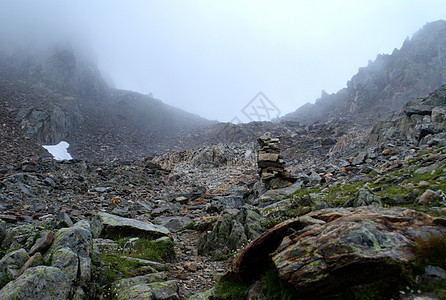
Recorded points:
(387,83)
(421,122)
(231,233)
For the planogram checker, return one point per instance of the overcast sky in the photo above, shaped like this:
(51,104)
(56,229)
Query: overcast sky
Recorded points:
(212,57)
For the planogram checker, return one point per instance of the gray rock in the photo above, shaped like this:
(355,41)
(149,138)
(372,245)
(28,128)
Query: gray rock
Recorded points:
(429,196)
(107,225)
(11,263)
(167,290)
(62,220)
(315,178)
(173,223)
(38,283)
(33,261)
(231,233)
(67,261)
(219,204)
(22,236)
(364,197)
(78,240)
(433,271)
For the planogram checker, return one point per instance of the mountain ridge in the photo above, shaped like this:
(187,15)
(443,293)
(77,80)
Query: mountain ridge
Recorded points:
(385,84)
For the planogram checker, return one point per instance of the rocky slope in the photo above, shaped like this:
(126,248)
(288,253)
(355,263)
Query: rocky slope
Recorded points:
(170,227)
(57,95)
(387,83)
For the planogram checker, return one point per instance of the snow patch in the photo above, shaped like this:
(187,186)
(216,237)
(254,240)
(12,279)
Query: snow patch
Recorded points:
(59,151)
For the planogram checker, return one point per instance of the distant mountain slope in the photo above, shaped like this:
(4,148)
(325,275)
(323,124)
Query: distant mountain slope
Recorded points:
(387,83)
(55,95)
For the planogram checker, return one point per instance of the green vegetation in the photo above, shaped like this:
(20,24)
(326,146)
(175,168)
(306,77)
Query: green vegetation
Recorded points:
(4,281)
(228,289)
(431,251)
(275,288)
(110,267)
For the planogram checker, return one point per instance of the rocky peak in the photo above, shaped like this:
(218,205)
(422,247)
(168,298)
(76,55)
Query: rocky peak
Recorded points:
(387,83)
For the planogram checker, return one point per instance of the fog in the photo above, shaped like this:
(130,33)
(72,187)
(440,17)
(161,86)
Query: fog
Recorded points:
(212,57)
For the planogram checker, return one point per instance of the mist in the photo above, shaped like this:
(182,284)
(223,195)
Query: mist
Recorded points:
(212,58)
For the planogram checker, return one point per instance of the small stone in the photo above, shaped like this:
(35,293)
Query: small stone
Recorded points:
(423,183)
(386,152)
(192,266)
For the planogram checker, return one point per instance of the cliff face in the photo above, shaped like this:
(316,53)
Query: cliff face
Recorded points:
(387,83)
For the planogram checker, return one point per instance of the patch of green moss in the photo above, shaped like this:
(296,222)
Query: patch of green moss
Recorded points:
(4,280)
(431,251)
(228,289)
(275,288)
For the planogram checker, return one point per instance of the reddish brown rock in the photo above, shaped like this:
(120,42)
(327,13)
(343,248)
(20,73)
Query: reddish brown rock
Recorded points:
(354,247)
(42,244)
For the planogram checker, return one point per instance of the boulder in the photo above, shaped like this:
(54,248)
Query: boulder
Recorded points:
(38,283)
(352,248)
(107,226)
(231,233)
(74,241)
(11,263)
(429,196)
(22,236)
(364,197)
(67,261)
(141,288)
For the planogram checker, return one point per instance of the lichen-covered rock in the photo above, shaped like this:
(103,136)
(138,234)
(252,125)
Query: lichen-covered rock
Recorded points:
(78,239)
(38,283)
(364,197)
(144,287)
(352,247)
(107,225)
(22,236)
(67,261)
(11,263)
(231,233)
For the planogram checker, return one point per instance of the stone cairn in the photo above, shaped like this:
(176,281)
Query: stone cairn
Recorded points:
(271,164)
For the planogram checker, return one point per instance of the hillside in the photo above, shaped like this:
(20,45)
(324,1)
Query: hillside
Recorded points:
(55,94)
(386,84)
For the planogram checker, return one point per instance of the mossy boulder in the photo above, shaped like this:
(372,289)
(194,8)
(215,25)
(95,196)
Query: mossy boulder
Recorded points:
(38,283)
(231,233)
(146,290)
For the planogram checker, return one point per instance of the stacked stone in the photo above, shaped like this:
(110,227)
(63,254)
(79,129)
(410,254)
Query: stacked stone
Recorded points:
(271,164)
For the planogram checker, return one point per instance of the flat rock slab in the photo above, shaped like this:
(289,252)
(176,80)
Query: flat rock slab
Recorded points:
(167,290)
(106,225)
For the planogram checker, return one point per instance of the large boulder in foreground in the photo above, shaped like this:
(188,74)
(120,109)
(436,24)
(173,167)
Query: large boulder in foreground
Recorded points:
(352,248)
(38,283)
(106,225)
(333,252)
